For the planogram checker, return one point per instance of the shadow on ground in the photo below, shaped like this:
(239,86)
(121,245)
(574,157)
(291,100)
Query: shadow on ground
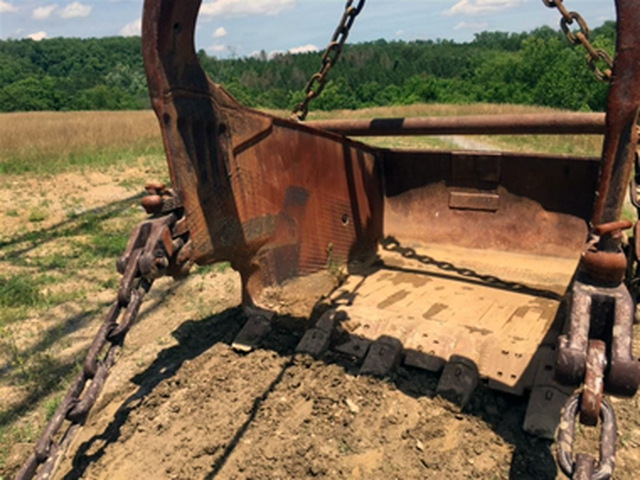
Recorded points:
(532,458)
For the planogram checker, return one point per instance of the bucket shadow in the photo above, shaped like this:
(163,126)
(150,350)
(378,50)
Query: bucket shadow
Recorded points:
(531,459)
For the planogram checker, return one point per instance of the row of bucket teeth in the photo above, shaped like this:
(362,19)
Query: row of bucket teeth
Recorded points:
(458,380)
(378,358)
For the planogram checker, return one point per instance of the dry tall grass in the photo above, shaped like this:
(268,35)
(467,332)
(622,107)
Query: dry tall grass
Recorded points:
(50,142)
(47,141)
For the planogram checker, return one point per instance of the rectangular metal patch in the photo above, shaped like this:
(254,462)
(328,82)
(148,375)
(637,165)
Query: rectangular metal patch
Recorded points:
(474,201)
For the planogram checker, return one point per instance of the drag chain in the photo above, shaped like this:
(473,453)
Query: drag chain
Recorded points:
(148,255)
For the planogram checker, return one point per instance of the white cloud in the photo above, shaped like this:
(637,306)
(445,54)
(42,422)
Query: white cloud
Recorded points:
(37,36)
(42,13)
(239,8)
(304,49)
(471,25)
(220,33)
(472,7)
(217,48)
(75,10)
(132,29)
(6,7)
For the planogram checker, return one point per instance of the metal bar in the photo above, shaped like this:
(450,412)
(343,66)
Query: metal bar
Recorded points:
(623,104)
(534,124)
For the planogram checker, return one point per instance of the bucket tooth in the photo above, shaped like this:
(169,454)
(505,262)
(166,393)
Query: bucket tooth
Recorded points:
(317,339)
(257,327)
(547,398)
(458,381)
(424,361)
(353,346)
(384,355)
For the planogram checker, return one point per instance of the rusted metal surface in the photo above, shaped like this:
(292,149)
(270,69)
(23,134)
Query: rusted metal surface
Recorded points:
(622,114)
(585,467)
(568,459)
(593,383)
(527,124)
(604,261)
(273,197)
(541,188)
(606,312)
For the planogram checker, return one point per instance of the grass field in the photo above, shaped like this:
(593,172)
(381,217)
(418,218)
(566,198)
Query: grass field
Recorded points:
(50,142)
(71,184)
(53,142)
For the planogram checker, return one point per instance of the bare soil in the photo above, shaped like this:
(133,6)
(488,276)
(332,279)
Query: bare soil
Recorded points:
(197,409)
(181,404)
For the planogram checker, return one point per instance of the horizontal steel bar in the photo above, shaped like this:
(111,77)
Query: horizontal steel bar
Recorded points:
(529,124)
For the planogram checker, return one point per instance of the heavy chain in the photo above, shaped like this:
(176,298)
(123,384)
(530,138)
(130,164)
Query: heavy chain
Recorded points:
(589,407)
(147,255)
(581,37)
(393,245)
(318,80)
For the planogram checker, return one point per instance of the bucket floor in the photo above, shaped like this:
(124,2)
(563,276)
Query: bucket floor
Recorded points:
(494,308)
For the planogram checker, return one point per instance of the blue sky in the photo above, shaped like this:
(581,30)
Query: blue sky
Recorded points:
(243,27)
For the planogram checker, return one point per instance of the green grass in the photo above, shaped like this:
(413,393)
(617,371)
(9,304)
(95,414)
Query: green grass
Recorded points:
(19,291)
(36,164)
(37,215)
(219,267)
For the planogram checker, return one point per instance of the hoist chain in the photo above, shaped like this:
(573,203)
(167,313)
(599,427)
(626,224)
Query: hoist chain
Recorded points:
(152,248)
(318,80)
(581,37)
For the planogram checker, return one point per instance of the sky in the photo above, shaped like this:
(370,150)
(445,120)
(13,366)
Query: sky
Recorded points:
(241,28)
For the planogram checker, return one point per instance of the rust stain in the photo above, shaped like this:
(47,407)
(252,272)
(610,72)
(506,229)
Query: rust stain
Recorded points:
(412,279)
(393,299)
(435,309)
(481,331)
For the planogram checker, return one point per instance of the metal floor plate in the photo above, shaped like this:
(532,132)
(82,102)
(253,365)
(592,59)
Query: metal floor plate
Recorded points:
(494,308)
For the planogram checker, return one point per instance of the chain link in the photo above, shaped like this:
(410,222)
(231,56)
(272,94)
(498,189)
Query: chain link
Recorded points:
(80,398)
(318,80)
(100,358)
(581,37)
(393,245)
(568,461)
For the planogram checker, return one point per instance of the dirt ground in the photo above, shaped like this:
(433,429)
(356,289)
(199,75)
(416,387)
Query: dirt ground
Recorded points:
(182,404)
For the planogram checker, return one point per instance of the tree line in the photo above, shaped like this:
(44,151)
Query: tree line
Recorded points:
(533,68)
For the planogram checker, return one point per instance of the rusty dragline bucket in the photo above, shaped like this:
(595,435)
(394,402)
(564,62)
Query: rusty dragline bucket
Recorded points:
(452,261)
(505,268)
